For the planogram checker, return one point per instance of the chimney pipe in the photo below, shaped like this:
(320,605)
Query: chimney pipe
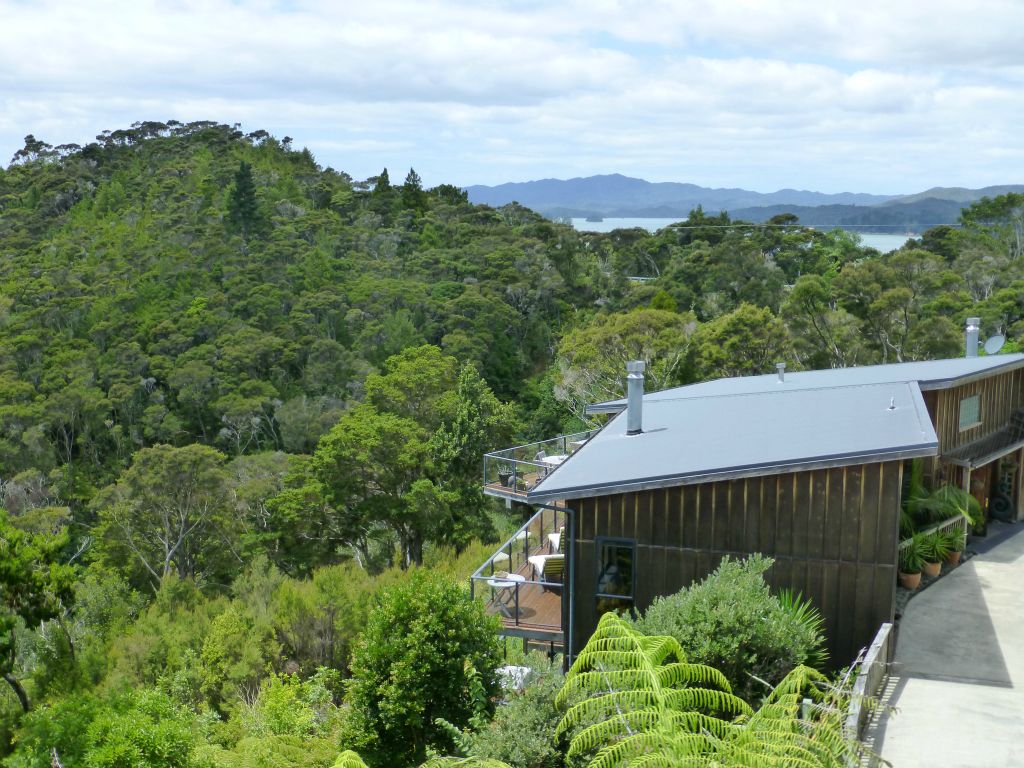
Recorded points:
(973,328)
(781,367)
(635,397)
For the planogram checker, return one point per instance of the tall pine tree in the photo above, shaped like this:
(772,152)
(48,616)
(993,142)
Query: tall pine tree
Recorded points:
(243,208)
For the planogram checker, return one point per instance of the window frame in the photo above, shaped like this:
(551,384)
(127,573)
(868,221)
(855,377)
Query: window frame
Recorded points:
(602,541)
(960,413)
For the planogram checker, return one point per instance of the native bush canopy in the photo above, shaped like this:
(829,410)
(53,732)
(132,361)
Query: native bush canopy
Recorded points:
(242,396)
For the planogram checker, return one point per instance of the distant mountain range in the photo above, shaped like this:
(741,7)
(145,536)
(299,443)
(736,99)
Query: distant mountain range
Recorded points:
(618,196)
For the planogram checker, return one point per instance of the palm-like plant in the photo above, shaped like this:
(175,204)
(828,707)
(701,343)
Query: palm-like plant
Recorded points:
(811,619)
(934,548)
(950,501)
(953,541)
(921,506)
(912,554)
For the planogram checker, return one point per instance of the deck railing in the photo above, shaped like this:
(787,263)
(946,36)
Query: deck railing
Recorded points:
(868,685)
(518,470)
(956,523)
(516,599)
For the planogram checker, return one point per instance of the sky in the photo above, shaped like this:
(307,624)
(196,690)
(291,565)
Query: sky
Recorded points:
(881,96)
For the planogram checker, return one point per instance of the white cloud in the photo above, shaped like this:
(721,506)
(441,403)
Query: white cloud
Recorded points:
(881,96)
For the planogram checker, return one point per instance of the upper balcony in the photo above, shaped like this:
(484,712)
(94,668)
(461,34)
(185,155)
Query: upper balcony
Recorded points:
(514,472)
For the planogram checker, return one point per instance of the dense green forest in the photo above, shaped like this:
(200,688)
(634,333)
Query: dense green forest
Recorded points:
(243,401)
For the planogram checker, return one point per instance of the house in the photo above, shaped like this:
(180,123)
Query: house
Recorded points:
(805,466)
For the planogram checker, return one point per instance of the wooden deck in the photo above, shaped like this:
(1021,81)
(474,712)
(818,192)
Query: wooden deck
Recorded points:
(504,492)
(528,609)
(539,613)
(523,483)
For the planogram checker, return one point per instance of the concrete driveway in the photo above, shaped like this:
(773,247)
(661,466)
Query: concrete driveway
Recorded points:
(958,683)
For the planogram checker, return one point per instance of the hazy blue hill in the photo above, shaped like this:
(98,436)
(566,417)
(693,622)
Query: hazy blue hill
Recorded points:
(618,195)
(961,194)
(916,216)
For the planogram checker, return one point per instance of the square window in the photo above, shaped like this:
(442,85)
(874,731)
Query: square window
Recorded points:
(970,412)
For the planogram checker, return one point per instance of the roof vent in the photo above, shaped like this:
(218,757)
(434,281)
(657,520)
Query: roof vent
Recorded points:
(973,327)
(781,367)
(635,397)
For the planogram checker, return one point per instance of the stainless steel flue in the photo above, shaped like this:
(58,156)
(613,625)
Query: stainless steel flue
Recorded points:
(635,397)
(973,328)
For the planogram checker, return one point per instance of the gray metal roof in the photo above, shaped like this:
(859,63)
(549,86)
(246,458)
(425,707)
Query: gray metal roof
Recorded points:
(929,374)
(698,438)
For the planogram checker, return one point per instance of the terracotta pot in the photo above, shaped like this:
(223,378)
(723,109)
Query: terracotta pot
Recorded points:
(953,558)
(931,570)
(910,581)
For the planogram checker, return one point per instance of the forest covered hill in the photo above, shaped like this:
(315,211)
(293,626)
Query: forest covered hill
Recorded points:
(243,396)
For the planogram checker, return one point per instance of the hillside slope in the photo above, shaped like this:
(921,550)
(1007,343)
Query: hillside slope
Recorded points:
(149,293)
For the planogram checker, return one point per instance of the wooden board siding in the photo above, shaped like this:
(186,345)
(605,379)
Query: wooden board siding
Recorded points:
(832,532)
(999,397)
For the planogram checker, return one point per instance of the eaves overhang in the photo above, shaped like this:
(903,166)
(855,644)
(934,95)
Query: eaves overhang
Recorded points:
(922,450)
(959,381)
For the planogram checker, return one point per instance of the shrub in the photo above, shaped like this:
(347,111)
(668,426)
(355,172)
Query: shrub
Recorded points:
(141,728)
(522,731)
(731,621)
(408,668)
(287,707)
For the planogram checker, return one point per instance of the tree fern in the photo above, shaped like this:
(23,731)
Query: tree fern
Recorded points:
(349,759)
(463,762)
(639,696)
(634,701)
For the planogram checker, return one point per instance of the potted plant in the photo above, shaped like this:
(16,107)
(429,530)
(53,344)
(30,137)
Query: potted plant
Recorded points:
(954,542)
(504,474)
(911,561)
(933,551)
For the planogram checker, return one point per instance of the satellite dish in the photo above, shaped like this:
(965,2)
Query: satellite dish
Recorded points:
(994,344)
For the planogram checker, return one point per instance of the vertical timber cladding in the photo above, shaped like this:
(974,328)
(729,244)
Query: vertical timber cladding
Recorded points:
(998,395)
(832,532)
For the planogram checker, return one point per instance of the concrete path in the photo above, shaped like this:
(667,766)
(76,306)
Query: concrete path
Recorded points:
(959,674)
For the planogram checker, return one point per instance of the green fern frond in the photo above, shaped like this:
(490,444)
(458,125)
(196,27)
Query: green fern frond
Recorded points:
(671,675)
(661,648)
(660,760)
(464,762)
(801,681)
(706,700)
(607,657)
(696,722)
(623,752)
(349,759)
(617,726)
(615,680)
(609,704)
